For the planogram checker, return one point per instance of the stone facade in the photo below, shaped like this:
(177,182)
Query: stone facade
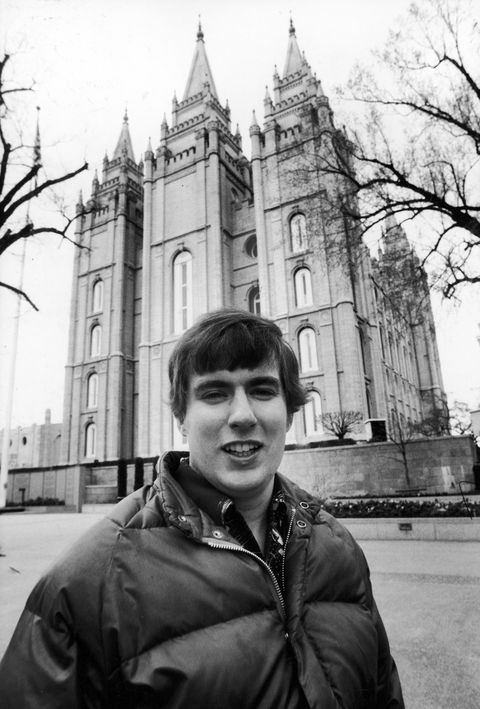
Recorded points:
(198,226)
(34,446)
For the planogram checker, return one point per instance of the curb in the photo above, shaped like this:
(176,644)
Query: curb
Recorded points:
(452,529)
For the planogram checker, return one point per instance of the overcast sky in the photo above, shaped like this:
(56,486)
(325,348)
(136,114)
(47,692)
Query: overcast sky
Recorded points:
(91,59)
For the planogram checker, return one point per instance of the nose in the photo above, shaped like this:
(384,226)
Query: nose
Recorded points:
(241,413)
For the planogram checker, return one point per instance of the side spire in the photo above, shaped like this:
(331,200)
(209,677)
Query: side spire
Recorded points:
(124,145)
(200,72)
(294,60)
(37,148)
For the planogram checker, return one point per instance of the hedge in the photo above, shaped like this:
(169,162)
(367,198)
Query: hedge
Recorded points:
(401,508)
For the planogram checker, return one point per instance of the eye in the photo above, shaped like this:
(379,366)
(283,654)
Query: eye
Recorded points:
(264,393)
(213,395)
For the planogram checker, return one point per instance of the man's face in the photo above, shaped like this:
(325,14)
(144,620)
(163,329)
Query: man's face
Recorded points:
(236,424)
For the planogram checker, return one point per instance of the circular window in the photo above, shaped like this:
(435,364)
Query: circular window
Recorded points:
(251,246)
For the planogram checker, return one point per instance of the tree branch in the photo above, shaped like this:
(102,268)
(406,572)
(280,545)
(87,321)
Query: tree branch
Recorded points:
(19,292)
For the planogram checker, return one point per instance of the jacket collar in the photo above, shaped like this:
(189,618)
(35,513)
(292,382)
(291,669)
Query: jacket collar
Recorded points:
(201,491)
(183,512)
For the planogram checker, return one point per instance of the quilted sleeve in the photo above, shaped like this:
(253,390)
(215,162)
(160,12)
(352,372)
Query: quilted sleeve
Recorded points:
(39,668)
(389,690)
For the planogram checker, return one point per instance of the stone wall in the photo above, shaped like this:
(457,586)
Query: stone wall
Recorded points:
(61,482)
(436,465)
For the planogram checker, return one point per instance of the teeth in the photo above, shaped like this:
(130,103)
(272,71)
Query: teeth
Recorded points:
(241,449)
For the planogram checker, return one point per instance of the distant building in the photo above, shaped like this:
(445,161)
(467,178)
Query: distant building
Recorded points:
(34,446)
(197,226)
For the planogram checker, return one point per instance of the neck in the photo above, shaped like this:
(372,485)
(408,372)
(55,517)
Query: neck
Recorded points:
(255,514)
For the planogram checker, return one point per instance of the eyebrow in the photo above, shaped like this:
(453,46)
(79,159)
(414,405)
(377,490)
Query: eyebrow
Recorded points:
(224,384)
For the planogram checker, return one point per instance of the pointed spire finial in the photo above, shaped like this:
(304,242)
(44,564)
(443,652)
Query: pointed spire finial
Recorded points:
(149,152)
(37,154)
(80,206)
(294,61)
(254,119)
(95,182)
(200,31)
(124,146)
(200,71)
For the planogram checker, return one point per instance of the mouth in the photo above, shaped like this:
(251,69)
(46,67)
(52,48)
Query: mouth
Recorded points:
(242,449)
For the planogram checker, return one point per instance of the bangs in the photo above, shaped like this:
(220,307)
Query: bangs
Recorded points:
(235,347)
(230,339)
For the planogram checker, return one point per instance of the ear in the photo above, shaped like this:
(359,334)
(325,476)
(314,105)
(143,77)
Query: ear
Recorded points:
(181,427)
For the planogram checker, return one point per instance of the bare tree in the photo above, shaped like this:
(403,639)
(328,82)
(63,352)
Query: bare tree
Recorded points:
(21,179)
(414,149)
(460,419)
(341,422)
(436,424)
(400,433)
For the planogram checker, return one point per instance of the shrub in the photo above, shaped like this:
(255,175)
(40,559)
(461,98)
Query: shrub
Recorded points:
(400,508)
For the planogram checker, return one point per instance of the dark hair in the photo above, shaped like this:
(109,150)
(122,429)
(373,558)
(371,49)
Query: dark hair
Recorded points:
(230,339)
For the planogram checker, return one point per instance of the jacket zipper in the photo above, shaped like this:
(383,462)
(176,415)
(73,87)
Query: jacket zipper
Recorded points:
(289,532)
(242,550)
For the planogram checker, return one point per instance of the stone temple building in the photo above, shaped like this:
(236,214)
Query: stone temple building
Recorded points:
(196,226)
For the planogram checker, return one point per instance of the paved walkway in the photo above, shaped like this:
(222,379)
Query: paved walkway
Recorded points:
(428,594)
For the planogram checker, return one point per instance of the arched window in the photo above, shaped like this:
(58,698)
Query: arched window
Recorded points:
(312,414)
(90,440)
(251,246)
(391,350)
(382,341)
(92,390)
(254,300)
(95,340)
(182,291)
(298,232)
(97,296)
(308,350)
(303,287)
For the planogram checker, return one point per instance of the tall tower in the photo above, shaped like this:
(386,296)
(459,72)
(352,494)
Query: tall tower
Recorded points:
(312,269)
(99,384)
(410,359)
(186,236)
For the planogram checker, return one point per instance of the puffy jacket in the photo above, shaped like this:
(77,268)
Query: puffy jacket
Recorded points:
(155,606)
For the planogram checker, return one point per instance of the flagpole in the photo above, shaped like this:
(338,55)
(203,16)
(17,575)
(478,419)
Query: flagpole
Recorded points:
(11,386)
(13,357)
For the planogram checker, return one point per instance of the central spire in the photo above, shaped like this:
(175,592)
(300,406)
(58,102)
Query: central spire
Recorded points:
(200,72)
(294,60)
(124,145)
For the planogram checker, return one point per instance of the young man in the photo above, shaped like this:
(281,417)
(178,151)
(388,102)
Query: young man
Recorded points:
(222,585)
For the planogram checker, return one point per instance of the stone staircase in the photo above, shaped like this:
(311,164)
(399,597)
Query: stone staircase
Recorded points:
(101,482)
(101,485)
